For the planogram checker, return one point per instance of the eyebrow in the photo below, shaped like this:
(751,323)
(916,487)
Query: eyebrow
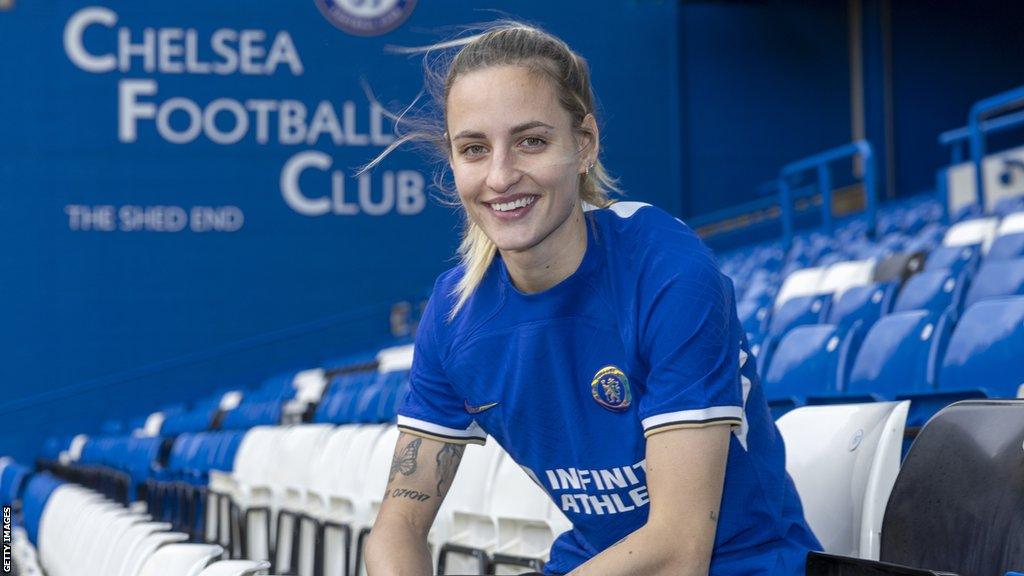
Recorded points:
(515,130)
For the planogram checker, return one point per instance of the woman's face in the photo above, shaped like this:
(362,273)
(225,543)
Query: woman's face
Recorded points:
(515,156)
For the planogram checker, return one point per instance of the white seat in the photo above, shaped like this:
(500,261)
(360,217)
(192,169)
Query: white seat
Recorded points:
(180,560)
(377,471)
(131,541)
(1012,224)
(334,451)
(298,449)
(804,282)
(978,231)
(844,460)
(251,494)
(134,561)
(528,521)
(842,276)
(309,385)
(236,568)
(395,358)
(335,494)
(464,517)
(106,546)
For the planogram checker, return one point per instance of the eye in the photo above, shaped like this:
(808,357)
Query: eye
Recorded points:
(473,150)
(533,143)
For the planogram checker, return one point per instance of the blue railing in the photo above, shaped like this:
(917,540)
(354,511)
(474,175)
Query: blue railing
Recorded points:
(981,110)
(959,138)
(819,163)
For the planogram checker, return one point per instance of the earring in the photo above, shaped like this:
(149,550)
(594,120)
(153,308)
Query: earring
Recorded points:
(589,168)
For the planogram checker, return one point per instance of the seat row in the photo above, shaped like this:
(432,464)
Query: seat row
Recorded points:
(305,497)
(78,531)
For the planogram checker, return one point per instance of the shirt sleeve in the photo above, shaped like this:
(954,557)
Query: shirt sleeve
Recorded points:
(432,408)
(689,343)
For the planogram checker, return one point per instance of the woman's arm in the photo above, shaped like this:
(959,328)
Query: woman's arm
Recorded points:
(421,474)
(685,474)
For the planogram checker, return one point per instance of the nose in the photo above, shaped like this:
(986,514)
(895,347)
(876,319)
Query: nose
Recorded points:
(503,173)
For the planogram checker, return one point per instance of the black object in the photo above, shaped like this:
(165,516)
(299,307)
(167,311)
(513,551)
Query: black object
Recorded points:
(899,267)
(957,506)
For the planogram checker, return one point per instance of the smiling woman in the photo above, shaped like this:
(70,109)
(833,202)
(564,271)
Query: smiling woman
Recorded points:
(597,342)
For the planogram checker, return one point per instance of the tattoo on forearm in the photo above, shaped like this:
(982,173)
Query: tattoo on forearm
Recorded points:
(405,461)
(410,494)
(714,516)
(448,458)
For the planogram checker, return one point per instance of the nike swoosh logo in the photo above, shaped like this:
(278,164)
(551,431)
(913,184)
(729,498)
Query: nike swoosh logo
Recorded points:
(478,409)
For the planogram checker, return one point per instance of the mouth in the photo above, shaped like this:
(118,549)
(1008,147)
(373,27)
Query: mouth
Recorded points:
(513,207)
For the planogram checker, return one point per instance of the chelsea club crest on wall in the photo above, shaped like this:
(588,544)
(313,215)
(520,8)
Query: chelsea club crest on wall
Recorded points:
(610,388)
(366,17)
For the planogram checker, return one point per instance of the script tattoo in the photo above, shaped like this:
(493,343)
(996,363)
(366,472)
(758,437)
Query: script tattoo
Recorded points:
(405,461)
(448,458)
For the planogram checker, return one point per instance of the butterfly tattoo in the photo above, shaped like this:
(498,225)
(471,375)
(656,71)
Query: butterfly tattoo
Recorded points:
(405,461)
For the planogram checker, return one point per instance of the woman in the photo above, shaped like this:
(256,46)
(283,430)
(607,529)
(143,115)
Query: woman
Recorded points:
(596,342)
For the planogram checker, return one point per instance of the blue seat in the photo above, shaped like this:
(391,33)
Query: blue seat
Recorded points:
(982,359)
(865,304)
(753,316)
(809,360)
(798,312)
(249,414)
(37,494)
(1006,247)
(192,421)
(986,349)
(12,480)
(954,258)
(933,290)
(995,280)
(340,403)
(900,354)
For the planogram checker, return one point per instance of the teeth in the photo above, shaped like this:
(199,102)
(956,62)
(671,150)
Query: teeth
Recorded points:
(524,201)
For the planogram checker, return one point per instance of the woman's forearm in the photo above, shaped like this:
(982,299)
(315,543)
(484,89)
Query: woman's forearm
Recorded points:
(647,551)
(397,550)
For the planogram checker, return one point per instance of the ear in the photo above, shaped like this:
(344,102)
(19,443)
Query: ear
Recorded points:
(590,143)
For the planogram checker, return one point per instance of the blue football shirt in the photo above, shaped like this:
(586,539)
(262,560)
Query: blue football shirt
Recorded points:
(643,337)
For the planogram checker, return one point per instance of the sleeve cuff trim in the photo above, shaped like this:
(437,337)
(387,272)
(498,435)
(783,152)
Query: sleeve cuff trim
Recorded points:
(699,417)
(474,433)
(714,422)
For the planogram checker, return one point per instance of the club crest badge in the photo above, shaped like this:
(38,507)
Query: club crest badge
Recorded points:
(610,388)
(366,17)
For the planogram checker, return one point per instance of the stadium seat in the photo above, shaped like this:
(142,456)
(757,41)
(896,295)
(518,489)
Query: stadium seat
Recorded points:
(180,560)
(377,471)
(843,460)
(900,354)
(798,312)
(842,276)
(1012,224)
(1006,247)
(956,506)
(810,360)
(463,532)
(972,232)
(865,304)
(985,349)
(897,268)
(934,290)
(803,282)
(299,447)
(249,492)
(526,519)
(335,507)
(995,280)
(956,259)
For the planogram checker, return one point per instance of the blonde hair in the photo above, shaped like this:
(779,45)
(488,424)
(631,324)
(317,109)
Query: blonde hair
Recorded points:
(504,43)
